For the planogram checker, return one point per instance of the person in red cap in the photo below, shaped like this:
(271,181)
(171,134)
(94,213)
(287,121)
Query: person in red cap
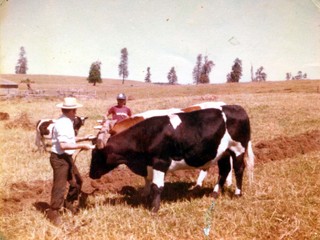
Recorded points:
(120,111)
(115,114)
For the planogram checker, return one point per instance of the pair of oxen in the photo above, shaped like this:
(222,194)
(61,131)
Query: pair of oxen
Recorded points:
(158,141)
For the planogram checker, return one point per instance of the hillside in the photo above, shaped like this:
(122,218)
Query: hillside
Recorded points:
(109,88)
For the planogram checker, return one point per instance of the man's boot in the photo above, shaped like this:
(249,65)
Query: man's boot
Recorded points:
(83,199)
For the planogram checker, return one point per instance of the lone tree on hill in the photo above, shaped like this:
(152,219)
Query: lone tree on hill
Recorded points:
(172,76)
(260,75)
(236,73)
(95,73)
(288,76)
(147,79)
(206,69)
(123,66)
(22,64)
(201,71)
(251,71)
(197,70)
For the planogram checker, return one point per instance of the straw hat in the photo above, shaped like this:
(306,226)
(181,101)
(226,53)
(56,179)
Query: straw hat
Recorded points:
(69,103)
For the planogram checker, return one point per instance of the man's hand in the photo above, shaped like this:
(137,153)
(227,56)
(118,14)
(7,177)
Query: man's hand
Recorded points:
(86,146)
(89,137)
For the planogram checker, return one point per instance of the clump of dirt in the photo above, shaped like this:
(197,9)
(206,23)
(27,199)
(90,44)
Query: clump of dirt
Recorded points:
(22,121)
(123,181)
(286,147)
(24,194)
(4,116)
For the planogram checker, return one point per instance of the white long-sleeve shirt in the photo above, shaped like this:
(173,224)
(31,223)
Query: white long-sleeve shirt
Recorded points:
(63,132)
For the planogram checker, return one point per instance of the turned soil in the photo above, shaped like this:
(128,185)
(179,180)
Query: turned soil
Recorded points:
(123,182)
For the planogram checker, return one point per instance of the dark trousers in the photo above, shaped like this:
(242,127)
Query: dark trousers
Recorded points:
(64,171)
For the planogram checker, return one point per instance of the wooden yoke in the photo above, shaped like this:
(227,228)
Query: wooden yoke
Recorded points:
(103,134)
(124,124)
(112,127)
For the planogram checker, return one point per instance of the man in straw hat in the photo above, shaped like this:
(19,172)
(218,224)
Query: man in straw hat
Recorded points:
(64,144)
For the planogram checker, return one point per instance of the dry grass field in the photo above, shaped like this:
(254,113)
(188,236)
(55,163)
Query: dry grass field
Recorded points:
(283,202)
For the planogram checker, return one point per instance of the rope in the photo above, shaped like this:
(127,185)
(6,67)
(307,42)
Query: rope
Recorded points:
(75,157)
(208,220)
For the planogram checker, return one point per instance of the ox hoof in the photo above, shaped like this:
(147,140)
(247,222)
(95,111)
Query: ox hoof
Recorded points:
(154,210)
(83,200)
(153,214)
(128,191)
(215,195)
(54,217)
(236,196)
(195,190)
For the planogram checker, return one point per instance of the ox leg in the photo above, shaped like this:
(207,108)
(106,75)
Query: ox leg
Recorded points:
(148,181)
(229,178)
(156,189)
(37,142)
(238,166)
(202,176)
(43,141)
(224,169)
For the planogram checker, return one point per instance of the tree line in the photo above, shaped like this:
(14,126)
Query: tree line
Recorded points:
(200,74)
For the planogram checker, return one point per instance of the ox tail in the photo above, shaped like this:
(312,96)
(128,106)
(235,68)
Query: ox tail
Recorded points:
(250,162)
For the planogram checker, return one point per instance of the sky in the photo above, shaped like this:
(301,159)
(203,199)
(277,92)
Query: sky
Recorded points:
(65,37)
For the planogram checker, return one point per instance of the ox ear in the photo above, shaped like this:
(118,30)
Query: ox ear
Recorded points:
(82,119)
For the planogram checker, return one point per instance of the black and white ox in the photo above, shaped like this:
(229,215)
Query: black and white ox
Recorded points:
(44,130)
(196,139)
(113,127)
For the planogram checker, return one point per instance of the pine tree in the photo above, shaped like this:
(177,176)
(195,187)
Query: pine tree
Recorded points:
(95,73)
(123,66)
(288,76)
(202,70)
(22,64)
(197,70)
(205,70)
(236,73)
(172,76)
(147,79)
(260,75)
